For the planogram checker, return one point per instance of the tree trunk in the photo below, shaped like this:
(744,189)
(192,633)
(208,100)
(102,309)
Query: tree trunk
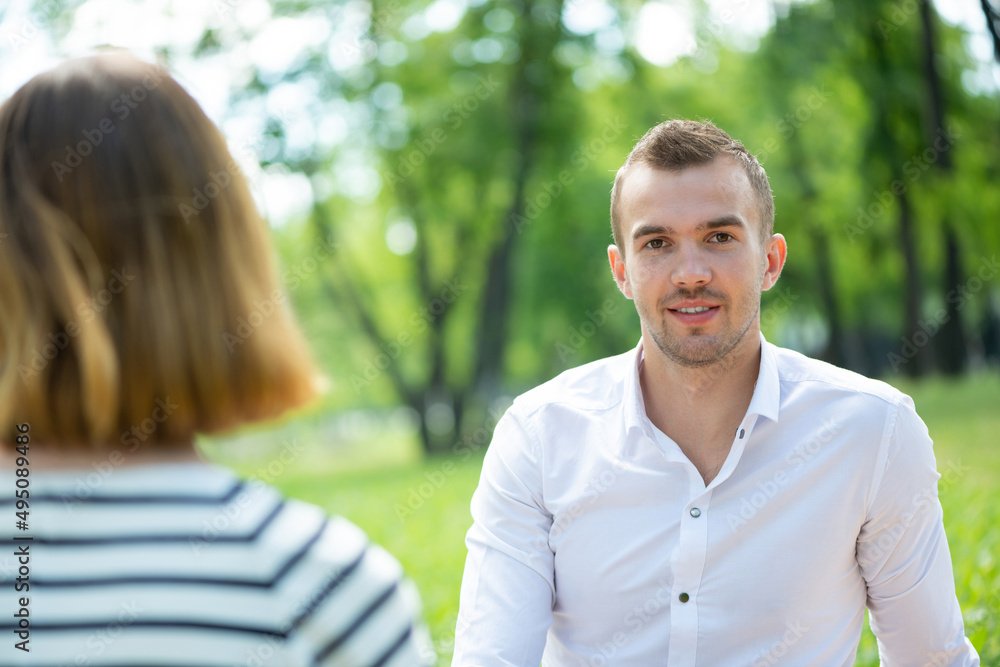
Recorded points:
(952,349)
(538,38)
(834,352)
(916,346)
(950,342)
(993,25)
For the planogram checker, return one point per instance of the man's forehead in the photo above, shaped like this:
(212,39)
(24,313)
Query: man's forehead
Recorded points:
(722,181)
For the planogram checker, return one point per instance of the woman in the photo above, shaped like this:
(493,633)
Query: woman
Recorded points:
(131,260)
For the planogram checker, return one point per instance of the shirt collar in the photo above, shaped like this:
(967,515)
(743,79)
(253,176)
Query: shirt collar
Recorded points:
(635,410)
(764,402)
(767,391)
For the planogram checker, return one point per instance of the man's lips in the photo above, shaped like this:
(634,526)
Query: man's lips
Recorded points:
(692,305)
(694,312)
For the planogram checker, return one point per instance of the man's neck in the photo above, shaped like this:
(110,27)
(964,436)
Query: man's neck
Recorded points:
(700,407)
(691,387)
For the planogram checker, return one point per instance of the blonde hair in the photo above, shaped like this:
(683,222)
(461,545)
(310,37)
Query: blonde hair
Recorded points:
(136,276)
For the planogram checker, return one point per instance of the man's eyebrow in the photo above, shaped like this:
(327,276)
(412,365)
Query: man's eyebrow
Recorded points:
(650,229)
(724,221)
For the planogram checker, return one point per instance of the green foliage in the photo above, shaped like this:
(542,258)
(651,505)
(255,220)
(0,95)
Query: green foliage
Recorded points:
(495,140)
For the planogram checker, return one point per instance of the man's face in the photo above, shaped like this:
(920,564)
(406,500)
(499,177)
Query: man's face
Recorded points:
(694,261)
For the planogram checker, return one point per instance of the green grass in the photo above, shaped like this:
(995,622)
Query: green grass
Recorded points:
(419,510)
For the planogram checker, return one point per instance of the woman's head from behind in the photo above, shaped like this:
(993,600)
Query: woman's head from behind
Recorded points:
(139,299)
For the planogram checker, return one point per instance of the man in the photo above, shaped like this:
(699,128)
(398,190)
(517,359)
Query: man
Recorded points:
(708,498)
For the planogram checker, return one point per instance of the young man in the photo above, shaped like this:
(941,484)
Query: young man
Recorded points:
(707,498)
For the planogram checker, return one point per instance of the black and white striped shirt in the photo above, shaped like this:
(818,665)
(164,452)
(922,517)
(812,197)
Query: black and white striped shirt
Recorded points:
(185,564)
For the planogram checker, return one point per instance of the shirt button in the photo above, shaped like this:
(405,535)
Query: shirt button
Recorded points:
(684,597)
(741,433)
(695,512)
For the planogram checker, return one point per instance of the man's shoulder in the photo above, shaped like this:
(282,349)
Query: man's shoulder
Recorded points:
(796,368)
(595,386)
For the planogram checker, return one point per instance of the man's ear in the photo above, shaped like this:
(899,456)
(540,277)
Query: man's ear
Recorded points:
(617,261)
(775,260)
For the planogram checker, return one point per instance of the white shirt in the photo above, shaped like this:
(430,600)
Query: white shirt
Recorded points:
(596,541)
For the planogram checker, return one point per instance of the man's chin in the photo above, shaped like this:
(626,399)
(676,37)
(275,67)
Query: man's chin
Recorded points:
(699,361)
(693,352)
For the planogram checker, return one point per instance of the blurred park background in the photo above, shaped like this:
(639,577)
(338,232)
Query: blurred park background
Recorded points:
(436,177)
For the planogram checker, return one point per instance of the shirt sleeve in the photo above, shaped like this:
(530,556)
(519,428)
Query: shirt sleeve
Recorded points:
(508,587)
(904,558)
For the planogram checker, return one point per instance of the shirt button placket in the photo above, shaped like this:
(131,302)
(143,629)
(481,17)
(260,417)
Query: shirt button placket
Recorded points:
(687,581)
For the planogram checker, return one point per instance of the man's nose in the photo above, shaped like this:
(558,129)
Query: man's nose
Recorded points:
(691,268)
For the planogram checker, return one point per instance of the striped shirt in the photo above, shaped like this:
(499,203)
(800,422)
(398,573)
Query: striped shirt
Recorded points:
(185,564)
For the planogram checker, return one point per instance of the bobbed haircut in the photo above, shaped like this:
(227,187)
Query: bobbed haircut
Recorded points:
(136,273)
(678,144)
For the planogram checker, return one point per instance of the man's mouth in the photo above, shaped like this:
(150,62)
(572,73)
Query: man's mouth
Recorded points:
(694,314)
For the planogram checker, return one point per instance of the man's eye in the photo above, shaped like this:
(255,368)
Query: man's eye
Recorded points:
(655,243)
(722,237)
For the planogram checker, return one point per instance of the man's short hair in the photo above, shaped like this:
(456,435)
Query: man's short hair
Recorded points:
(675,145)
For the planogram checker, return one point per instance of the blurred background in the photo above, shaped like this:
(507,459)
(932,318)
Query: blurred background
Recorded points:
(436,177)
